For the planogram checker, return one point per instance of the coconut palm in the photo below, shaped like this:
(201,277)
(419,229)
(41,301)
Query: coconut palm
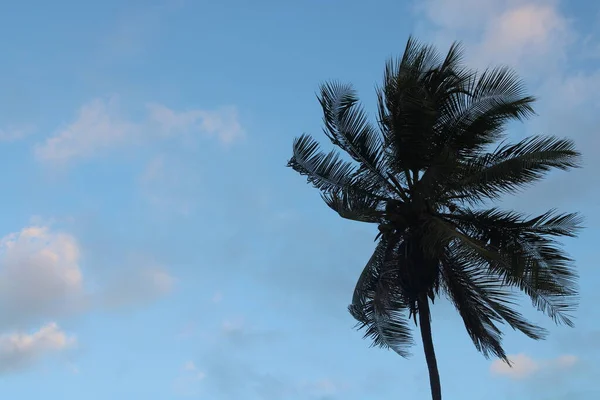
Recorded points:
(427,174)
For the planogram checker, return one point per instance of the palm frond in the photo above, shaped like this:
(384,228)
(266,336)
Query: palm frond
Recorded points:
(482,301)
(439,233)
(512,167)
(550,223)
(556,224)
(406,105)
(355,206)
(416,61)
(325,171)
(544,272)
(378,306)
(347,126)
(527,256)
(477,115)
(477,316)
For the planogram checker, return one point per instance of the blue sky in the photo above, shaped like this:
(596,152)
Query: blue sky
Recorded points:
(153,244)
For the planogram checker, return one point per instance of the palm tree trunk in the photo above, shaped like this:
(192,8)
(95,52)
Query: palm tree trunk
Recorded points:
(425,325)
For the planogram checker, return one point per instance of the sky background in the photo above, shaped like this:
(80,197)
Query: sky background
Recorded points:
(154,246)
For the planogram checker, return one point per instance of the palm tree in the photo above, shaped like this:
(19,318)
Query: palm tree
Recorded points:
(426,176)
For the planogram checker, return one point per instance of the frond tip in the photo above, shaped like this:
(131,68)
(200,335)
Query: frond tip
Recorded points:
(325,171)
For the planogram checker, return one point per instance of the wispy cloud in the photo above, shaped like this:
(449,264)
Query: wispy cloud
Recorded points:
(526,34)
(222,123)
(100,126)
(12,134)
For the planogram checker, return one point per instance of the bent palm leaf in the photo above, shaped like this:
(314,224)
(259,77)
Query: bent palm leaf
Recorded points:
(378,306)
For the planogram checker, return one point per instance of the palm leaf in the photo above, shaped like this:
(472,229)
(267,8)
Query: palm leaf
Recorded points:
(512,167)
(544,272)
(483,108)
(355,206)
(378,307)
(478,317)
(549,223)
(482,301)
(406,106)
(528,257)
(347,127)
(326,171)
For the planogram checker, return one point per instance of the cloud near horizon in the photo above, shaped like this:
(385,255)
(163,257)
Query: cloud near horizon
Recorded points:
(41,279)
(19,350)
(524,367)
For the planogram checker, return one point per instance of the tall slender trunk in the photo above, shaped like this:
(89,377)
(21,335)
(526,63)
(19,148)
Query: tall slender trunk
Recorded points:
(425,325)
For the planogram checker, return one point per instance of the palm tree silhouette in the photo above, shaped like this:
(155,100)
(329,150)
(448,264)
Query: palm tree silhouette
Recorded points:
(426,175)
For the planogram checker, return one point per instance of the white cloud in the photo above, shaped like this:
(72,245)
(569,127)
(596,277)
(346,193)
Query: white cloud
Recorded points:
(39,275)
(534,36)
(446,15)
(97,128)
(41,279)
(19,350)
(13,134)
(222,123)
(524,366)
(100,126)
(522,33)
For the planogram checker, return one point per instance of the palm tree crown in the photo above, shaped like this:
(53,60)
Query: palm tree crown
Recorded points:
(425,175)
